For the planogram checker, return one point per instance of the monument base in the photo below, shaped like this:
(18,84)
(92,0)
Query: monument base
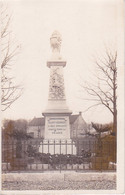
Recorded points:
(57,147)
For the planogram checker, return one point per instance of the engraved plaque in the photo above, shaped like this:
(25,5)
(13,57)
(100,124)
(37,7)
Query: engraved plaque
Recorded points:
(57,127)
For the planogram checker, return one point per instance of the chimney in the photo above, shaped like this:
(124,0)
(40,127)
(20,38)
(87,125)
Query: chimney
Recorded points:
(80,113)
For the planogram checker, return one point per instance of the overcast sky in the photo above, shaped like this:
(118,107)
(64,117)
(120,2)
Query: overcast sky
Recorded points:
(86,28)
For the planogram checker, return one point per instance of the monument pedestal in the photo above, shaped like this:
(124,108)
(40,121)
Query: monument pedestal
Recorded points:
(57,126)
(57,135)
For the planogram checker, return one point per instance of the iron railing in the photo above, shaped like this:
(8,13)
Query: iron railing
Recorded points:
(44,155)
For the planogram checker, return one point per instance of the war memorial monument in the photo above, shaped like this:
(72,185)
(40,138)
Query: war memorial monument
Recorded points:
(57,127)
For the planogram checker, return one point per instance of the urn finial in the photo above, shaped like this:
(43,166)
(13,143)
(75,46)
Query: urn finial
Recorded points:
(55,42)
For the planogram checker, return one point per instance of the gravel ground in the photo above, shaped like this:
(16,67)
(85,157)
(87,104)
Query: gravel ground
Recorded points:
(59,185)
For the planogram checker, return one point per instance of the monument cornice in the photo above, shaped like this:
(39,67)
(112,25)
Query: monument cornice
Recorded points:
(56,99)
(57,113)
(56,63)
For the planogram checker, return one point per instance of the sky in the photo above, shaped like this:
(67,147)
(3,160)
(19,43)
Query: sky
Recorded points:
(87,28)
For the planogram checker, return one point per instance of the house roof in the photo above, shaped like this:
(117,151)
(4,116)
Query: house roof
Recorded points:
(41,121)
(72,118)
(37,122)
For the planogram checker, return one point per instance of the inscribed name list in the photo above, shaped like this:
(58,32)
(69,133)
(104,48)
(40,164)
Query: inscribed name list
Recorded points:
(57,125)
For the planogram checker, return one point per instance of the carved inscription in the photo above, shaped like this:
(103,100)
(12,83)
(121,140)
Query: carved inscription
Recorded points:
(57,125)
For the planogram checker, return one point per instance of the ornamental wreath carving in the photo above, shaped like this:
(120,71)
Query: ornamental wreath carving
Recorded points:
(56,85)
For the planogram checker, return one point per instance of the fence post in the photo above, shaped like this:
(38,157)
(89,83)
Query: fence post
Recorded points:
(66,154)
(42,155)
(60,157)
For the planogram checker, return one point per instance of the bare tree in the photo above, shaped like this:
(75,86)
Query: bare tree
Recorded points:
(104,91)
(10,90)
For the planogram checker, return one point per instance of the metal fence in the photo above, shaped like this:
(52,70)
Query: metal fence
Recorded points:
(52,155)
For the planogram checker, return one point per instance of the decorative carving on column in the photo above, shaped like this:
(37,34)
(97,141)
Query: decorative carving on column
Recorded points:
(56,88)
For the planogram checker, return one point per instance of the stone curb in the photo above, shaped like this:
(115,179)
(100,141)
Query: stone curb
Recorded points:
(10,177)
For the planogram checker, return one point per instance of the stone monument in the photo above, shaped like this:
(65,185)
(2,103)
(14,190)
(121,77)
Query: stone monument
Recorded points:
(57,128)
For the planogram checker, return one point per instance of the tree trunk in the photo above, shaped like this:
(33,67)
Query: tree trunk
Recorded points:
(114,103)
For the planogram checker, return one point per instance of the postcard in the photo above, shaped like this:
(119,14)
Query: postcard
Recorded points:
(62,97)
